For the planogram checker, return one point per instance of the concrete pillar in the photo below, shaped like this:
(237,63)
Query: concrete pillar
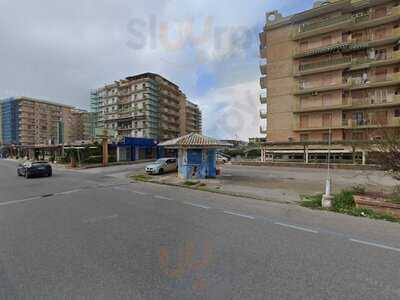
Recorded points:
(118,154)
(354,155)
(364,158)
(306,155)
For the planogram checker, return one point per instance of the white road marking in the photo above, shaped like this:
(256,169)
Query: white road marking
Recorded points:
(375,245)
(296,227)
(139,193)
(20,201)
(239,215)
(100,219)
(197,205)
(69,192)
(132,191)
(163,198)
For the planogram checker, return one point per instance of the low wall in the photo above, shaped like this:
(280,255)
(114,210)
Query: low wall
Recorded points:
(304,165)
(379,206)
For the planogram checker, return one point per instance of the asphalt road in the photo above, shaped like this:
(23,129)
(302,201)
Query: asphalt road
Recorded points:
(94,235)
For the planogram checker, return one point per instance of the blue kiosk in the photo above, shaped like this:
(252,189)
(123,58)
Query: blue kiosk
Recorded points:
(197,155)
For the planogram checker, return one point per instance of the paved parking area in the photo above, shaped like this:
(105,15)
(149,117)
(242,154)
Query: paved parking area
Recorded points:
(290,182)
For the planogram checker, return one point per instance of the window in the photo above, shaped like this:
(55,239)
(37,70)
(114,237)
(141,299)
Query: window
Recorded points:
(380,12)
(304,46)
(326,40)
(327,120)
(397,112)
(327,100)
(326,137)
(358,118)
(304,121)
(304,137)
(357,136)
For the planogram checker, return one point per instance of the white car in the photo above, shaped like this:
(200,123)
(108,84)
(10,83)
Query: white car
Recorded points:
(163,165)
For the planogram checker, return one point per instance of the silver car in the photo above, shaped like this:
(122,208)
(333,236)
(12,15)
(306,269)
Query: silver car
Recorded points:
(163,165)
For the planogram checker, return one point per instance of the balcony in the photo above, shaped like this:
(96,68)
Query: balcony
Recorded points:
(300,53)
(328,64)
(263,99)
(263,66)
(304,89)
(369,20)
(263,114)
(263,82)
(320,27)
(365,123)
(299,108)
(263,130)
(370,102)
(375,81)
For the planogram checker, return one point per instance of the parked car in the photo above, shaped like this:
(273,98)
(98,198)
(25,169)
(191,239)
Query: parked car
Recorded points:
(36,168)
(222,158)
(163,165)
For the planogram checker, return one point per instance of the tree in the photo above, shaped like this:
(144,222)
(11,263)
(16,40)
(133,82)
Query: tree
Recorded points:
(388,152)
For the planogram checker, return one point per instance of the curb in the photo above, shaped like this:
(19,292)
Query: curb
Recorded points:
(202,189)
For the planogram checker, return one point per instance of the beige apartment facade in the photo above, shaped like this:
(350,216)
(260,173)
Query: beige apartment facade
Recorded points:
(146,106)
(330,73)
(32,122)
(193,118)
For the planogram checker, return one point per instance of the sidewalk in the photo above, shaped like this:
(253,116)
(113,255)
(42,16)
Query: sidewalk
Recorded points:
(222,185)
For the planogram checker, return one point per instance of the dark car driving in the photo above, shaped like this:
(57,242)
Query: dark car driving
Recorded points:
(33,169)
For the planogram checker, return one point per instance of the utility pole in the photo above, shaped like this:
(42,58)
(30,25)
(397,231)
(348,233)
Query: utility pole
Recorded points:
(327,198)
(105,148)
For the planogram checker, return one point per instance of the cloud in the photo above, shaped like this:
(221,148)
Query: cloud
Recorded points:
(232,111)
(59,50)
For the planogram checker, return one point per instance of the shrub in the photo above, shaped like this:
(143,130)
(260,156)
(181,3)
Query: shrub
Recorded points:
(344,200)
(358,189)
(312,201)
(190,183)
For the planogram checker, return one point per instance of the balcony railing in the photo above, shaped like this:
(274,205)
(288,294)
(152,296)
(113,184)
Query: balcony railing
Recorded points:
(263,130)
(369,17)
(263,99)
(372,101)
(325,63)
(263,114)
(359,81)
(316,25)
(352,123)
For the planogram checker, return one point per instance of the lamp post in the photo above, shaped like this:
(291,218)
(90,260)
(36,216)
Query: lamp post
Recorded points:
(327,198)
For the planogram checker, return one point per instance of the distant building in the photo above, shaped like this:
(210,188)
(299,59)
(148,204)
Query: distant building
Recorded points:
(257,140)
(145,106)
(193,118)
(235,143)
(29,121)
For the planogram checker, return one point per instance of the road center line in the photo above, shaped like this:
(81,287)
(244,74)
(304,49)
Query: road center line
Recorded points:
(20,201)
(238,215)
(197,205)
(139,193)
(99,219)
(296,227)
(163,198)
(69,192)
(375,245)
(132,191)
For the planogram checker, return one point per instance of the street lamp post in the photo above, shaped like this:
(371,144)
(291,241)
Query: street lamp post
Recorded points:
(327,198)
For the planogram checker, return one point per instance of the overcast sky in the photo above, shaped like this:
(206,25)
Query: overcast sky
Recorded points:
(59,50)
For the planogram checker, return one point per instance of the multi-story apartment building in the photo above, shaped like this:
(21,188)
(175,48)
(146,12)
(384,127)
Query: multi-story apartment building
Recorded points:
(193,118)
(145,105)
(334,68)
(28,121)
